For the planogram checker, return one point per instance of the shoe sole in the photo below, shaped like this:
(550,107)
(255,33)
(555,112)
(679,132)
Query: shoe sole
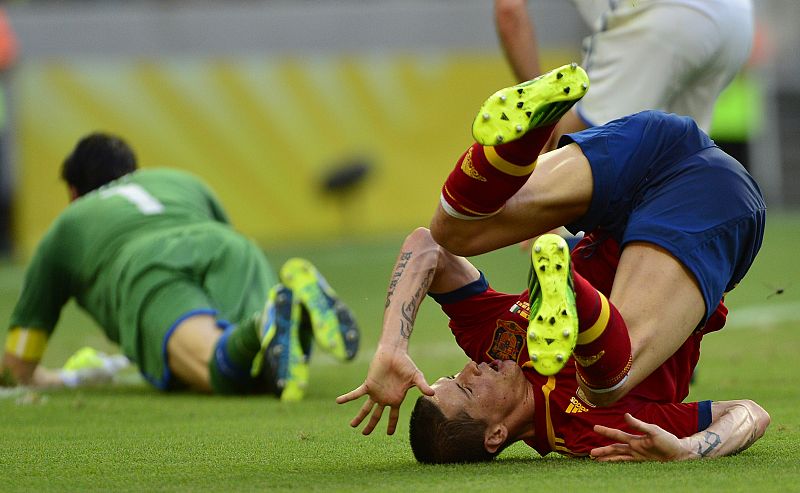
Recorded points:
(510,112)
(553,327)
(333,324)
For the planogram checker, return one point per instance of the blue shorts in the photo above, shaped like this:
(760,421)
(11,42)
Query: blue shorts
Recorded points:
(659,179)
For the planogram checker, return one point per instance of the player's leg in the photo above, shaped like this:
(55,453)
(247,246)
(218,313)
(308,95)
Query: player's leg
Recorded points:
(190,348)
(558,192)
(661,303)
(262,354)
(568,316)
(511,129)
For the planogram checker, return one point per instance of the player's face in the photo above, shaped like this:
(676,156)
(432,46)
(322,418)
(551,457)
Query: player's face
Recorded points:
(485,391)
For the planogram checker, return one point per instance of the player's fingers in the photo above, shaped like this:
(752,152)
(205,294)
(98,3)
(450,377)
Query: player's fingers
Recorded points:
(352,395)
(362,413)
(609,450)
(423,386)
(641,425)
(373,421)
(394,415)
(616,458)
(613,433)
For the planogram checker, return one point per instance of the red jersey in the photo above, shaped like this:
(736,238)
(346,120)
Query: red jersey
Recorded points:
(489,325)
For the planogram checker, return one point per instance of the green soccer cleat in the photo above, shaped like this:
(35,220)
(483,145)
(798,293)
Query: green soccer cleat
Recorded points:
(332,323)
(282,364)
(509,113)
(553,322)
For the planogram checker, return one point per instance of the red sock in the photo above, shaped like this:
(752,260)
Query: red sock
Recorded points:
(603,353)
(485,177)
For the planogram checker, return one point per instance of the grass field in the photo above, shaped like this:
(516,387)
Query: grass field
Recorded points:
(131,438)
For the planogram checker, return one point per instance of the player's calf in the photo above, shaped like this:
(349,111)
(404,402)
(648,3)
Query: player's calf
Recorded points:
(511,129)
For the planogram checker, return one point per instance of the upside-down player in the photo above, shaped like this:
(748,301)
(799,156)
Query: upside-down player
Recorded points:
(688,220)
(498,398)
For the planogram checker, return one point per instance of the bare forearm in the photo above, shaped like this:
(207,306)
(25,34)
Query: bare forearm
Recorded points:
(421,266)
(736,427)
(411,278)
(518,38)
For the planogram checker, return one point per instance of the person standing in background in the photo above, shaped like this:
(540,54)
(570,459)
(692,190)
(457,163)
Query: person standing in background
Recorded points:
(676,56)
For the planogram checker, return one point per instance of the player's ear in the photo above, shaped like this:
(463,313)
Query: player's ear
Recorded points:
(495,437)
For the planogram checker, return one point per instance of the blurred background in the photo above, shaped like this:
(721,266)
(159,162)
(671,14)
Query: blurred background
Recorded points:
(313,120)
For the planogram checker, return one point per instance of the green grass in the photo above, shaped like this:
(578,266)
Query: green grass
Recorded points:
(132,438)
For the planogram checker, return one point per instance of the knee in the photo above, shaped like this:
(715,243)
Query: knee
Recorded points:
(449,235)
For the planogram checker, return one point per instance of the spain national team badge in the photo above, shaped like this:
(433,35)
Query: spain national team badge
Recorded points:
(507,341)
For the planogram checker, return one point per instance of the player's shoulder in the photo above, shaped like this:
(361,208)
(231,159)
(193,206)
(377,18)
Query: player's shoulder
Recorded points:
(164,173)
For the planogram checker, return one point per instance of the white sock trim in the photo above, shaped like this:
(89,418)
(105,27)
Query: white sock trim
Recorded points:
(454,213)
(612,388)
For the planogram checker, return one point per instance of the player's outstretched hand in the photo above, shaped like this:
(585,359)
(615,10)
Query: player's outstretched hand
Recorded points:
(654,444)
(391,374)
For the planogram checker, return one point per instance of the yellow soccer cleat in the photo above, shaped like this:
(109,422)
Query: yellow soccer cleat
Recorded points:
(332,323)
(509,113)
(282,363)
(553,323)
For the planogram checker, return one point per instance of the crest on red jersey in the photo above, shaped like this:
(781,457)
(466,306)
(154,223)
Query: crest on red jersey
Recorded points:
(507,341)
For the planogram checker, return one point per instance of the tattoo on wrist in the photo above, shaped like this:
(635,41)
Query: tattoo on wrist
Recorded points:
(709,443)
(409,308)
(402,261)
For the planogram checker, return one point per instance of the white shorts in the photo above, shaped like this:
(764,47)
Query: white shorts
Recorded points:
(670,55)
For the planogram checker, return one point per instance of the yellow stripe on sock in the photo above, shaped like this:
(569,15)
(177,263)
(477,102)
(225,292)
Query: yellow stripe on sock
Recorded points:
(593,332)
(507,167)
(26,344)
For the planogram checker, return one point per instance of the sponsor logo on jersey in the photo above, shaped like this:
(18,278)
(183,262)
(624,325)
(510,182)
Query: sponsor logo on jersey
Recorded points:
(575,406)
(521,308)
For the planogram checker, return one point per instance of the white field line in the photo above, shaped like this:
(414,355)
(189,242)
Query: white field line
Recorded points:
(763,316)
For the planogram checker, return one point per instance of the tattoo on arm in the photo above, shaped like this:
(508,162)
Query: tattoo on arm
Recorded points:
(409,308)
(402,262)
(710,441)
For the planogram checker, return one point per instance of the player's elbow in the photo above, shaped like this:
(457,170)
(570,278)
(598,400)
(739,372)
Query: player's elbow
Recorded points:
(454,241)
(760,415)
(453,235)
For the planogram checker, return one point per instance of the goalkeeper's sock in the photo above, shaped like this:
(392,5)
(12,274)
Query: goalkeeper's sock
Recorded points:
(485,177)
(603,352)
(232,358)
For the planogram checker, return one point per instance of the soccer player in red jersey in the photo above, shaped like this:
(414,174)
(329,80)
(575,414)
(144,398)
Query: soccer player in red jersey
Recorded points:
(688,219)
(498,398)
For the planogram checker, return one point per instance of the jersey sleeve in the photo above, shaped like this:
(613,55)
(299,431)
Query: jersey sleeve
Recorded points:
(47,287)
(682,420)
(216,211)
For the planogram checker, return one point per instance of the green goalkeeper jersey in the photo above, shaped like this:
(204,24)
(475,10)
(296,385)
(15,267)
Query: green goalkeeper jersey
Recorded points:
(105,236)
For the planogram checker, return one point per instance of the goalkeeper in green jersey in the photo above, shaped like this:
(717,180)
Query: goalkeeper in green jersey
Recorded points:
(151,256)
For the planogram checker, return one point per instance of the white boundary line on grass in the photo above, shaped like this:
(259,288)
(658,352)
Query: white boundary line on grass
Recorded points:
(762,316)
